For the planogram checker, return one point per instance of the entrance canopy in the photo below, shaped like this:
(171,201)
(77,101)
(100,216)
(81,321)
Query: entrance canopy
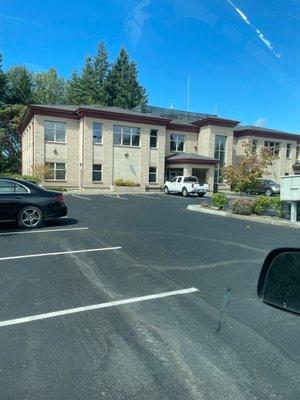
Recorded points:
(190,158)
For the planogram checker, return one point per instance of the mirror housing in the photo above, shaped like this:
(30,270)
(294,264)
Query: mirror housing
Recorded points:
(279,280)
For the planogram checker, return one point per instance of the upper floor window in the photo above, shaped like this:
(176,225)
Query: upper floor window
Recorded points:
(153,138)
(126,136)
(298,153)
(97,133)
(254,145)
(275,146)
(288,150)
(55,131)
(176,142)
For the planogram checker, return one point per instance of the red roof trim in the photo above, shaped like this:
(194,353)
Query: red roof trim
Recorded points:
(266,134)
(183,128)
(216,121)
(191,161)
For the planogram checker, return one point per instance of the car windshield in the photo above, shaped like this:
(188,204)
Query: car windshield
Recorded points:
(166,137)
(269,182)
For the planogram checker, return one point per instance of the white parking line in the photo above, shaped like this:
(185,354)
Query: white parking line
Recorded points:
(95,307)
(80,197)
(147,197)
(115,196)
(42,231)
(59,253)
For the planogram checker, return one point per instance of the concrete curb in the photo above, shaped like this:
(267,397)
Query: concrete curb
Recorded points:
(249,218)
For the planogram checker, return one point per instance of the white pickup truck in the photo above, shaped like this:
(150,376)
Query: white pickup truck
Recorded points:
(185,185)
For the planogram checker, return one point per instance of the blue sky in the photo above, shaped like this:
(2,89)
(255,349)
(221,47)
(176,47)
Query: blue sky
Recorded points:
(242,57)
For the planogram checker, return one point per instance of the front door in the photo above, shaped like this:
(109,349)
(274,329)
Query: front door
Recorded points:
(200,173)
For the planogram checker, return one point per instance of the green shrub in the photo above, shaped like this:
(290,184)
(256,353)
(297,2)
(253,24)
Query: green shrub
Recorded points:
(242,206)
(125,182)
(263,203)
(219,200)
(19,176)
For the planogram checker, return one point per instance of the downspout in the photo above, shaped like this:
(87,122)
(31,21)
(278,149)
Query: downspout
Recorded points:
(82,157)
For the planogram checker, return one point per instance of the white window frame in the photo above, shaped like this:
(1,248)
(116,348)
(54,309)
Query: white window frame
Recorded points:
(55,129)
(122,133)
(97,170)
(100,130)
(176,139)
(275,146)
(55,170)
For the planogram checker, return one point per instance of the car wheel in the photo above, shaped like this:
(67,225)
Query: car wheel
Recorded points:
(166,190)
(185,192)
(201,194)
(268,192)
(30,217)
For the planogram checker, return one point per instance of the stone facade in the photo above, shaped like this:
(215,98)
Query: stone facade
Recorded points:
(79,153)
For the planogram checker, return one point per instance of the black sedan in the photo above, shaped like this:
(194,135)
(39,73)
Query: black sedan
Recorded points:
(28,204)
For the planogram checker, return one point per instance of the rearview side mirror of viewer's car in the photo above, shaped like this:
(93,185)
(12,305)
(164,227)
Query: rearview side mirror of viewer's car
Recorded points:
(279,280)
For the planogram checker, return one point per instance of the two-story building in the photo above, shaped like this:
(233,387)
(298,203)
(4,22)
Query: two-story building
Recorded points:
(91,146)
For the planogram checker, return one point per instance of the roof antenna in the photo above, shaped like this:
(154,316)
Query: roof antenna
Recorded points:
(188,93)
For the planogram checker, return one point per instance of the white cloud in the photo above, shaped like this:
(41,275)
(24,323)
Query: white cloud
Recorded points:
(19,19)
(261,122)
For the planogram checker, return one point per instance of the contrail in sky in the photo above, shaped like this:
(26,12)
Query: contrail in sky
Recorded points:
(260,35)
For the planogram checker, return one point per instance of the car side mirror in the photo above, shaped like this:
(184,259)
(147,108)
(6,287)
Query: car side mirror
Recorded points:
(279,280)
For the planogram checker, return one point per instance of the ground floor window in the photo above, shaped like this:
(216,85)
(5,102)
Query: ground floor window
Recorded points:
(152,174)
(97,172)
(170,173)
(57,171)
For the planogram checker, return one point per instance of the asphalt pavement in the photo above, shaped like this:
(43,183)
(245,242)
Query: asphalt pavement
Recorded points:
(122,300)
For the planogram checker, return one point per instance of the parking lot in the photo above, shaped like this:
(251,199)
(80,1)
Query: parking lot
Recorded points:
(122,299)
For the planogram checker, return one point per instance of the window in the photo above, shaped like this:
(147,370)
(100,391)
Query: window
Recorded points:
(57,171)
(298,153)
(220,154)
(179,180)
(275,146)
(97,133)
(254,145)
(55,131)
(97,172)
(288,150)
(176,142)
(192,179)
(12,187)
(126,136)
(152,174)
(153,138)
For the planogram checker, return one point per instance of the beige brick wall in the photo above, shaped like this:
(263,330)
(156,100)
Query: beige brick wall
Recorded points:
(66,153)
(281,165)
(27,149)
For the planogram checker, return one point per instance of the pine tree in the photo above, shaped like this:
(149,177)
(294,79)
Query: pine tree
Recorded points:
(101,69)
(122,88)
(88,83)
(2,83)
(74,90)
(19,86)
(49,88)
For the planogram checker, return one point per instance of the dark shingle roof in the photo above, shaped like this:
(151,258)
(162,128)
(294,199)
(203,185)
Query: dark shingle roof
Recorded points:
(240,128)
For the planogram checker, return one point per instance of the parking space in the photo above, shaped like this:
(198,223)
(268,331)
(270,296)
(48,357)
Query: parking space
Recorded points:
(140,283)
